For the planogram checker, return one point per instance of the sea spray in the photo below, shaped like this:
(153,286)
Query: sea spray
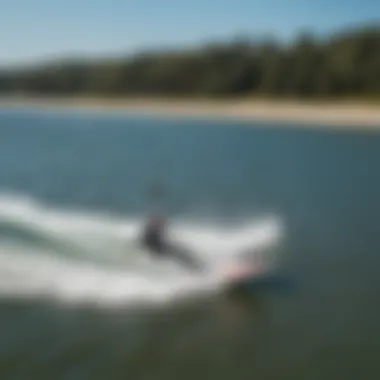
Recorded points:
(81,256)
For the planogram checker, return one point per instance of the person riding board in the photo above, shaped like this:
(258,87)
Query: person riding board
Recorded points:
(154,238)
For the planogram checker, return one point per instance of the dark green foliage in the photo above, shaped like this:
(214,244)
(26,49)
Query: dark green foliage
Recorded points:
(347,64)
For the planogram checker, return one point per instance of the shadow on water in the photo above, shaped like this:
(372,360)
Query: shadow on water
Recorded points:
(277,284)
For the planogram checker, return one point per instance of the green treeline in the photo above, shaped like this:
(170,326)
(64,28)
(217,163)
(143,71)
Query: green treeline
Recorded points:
(345,64)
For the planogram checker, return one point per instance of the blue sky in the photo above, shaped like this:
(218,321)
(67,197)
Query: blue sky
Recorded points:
(34,30)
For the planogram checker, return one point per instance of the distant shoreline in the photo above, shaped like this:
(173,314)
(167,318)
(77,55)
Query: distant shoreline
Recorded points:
(340,114)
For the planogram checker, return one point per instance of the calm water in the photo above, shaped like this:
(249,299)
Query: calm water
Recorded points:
(78,303)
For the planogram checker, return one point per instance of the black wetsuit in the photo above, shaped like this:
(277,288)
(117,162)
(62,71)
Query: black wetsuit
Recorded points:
(152,239)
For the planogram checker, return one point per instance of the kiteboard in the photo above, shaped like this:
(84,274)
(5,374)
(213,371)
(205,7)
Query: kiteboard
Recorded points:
(242,277)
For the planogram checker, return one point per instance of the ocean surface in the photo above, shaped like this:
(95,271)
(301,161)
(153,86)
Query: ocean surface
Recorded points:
(80,299)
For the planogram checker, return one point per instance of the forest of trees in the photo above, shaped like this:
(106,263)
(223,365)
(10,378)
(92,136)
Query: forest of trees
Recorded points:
(345,64)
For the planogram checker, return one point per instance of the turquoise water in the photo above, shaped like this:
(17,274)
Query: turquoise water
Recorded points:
(79,300)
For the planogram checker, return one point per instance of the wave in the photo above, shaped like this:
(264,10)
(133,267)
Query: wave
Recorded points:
(80,256)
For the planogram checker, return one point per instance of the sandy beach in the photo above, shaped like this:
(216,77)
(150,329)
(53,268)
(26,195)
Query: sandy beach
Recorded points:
(344,114)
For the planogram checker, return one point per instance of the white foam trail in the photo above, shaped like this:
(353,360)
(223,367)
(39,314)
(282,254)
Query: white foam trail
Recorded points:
(129,276)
